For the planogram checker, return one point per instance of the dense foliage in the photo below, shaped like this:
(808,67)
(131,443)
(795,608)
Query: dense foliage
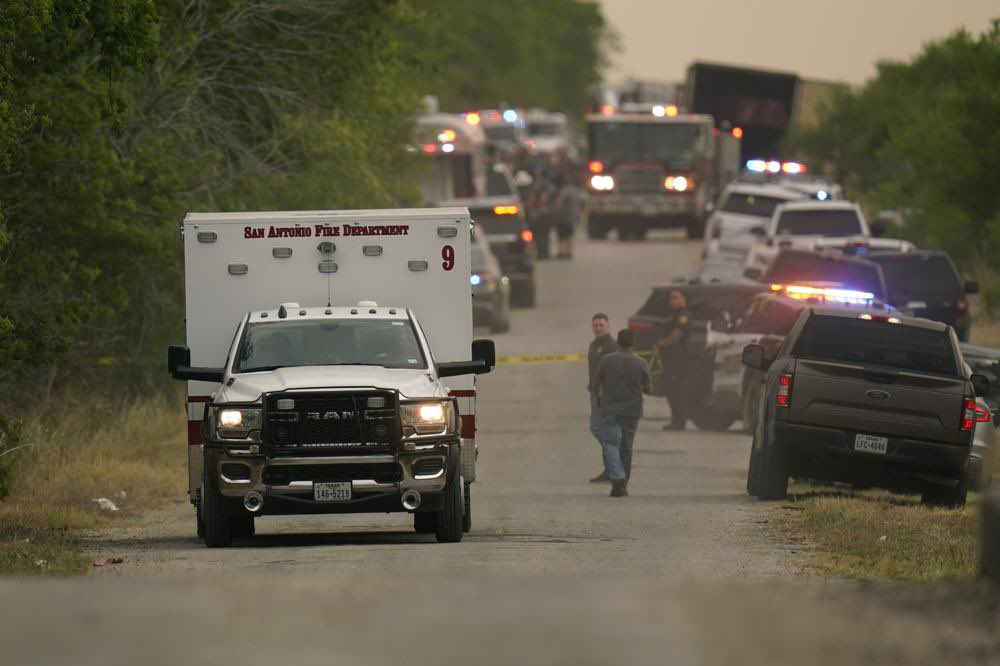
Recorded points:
(117,116)
(923,137)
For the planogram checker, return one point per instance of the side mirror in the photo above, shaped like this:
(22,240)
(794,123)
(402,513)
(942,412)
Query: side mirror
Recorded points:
(486,351)
(752,272)
(980,384)
(753,357)
(878,228)
(179,366)
(484,359)
(972,287)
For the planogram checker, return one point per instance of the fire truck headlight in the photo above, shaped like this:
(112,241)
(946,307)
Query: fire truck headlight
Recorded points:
(678,183)
(427,418)
(237,423)
(602,183)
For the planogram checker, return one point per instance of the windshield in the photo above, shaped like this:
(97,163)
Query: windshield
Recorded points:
(544,129)
(751,204)
(803,269)
(877,343)
(494,225)
(831,223)
(665,142)
(385,342)
(912,277)
(501,133)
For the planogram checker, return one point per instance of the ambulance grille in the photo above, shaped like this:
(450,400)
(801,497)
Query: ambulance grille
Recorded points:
(331,423)
(638,180)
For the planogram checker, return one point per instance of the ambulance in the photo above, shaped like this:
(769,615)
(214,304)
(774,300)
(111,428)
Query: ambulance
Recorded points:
(330,367)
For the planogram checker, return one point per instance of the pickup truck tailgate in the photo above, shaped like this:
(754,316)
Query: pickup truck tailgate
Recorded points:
(878,400)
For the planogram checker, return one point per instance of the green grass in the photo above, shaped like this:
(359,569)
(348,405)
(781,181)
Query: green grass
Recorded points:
(879,536)
(133,454)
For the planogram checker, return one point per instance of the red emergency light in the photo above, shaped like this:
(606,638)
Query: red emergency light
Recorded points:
(596,166)
(737,132)
(430,148)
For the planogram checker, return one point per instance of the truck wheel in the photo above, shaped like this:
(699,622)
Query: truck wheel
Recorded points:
(597,228)
(448,526)
(948,498)
(753,471)
(714,420)
(423,522)
(242,527)
(217,532)
(773,477)
(695,229)
(467,513)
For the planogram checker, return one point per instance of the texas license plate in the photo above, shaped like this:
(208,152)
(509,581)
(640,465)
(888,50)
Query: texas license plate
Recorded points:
(871,444)
(332,492)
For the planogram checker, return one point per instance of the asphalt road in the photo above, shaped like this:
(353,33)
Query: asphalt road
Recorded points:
(684,570)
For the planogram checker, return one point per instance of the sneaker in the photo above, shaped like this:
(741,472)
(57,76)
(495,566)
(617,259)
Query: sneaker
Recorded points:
(619,488)
(601,478)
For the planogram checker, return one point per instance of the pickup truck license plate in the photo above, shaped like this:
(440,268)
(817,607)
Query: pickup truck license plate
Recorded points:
(871,444)
(332,492)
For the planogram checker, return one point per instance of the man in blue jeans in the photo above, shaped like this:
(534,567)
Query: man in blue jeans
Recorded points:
(619,383)
(602,345)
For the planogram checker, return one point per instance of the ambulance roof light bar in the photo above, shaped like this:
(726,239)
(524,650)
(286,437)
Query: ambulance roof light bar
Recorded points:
(825,294)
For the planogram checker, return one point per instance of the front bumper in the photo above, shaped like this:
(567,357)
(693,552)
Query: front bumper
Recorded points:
(642,205)
(828,453)
(286,482)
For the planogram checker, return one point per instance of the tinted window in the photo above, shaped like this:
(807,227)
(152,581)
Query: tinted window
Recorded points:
(819,223)
(791,268)
(384,342)
(751,204)
(914,277)
(501,133)
(877,343)
(497,224)
(667,142)
(544,129)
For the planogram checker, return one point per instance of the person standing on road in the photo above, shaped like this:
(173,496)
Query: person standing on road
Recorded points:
(569,210)
(602,345)
(673,350)
(620,382)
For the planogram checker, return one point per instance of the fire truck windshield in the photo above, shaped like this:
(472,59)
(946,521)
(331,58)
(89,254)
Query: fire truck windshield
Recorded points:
(676,143)
(385,342)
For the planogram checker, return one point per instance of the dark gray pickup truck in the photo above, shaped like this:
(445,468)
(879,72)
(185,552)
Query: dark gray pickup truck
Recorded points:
(866,398)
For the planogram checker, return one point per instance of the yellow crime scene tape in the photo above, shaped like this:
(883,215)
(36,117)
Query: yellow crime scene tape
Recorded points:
(552,358)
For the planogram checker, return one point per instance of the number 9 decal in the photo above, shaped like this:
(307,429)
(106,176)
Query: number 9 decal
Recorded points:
(448,254)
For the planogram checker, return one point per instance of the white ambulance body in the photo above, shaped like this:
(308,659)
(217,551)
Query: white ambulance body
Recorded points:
(305,272)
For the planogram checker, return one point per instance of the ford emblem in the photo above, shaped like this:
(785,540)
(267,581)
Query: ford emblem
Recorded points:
(878,394)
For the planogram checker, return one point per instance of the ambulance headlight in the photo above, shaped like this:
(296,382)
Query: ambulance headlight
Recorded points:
(237,423)
(427,418)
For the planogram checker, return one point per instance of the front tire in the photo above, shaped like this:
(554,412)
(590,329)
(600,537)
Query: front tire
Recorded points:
(467,513)
(217,526)
(448,526)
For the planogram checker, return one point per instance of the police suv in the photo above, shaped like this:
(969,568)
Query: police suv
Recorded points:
(328,367)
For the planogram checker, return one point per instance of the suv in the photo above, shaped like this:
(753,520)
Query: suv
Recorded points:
(925,284)
(806,267)
(866,398)
(742,208)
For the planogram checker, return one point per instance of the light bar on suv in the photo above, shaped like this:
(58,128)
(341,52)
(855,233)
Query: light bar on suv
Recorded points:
(824,294)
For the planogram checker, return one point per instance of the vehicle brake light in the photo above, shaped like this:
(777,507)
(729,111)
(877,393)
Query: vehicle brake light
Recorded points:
(737,132)
(596,167)
(639,325)
(527,236)
(968,414)
(769,242)
(981,415)
(962,305)
(716,230)
(784,395)
(430,148)
(505,210)
(607,110)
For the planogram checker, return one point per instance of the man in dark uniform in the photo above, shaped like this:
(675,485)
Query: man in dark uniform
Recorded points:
(673,351)
(602,345)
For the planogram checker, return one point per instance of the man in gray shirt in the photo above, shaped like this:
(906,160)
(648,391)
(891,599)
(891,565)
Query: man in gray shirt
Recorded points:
(619,383)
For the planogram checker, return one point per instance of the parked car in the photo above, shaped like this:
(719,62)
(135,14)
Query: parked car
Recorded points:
(490,288)
(501,220)
(925,283)
(822,268)
(742,208)
(866,398)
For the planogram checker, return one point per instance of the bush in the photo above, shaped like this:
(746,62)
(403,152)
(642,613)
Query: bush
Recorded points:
(11,446)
